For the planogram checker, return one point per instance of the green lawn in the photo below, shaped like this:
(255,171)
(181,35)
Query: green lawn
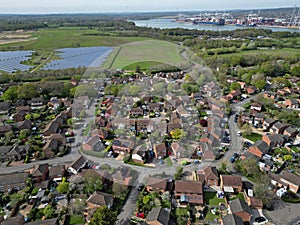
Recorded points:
(212,199)
(253,137)
(210,217)
(76,219)
(149,52)
(239,195)
(50,39)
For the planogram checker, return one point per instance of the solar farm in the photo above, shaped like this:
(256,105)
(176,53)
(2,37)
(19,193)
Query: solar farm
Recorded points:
(11,61)
(78,57)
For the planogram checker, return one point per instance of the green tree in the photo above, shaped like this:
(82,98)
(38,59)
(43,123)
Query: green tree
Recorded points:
(235,86)
(260,84)
(119,189)
(178,173)
(92,182)
(63,187)
(262,191)
(248,167)
(24,133)
(11,94)
(247,129)
(104,216)
(27,91)
(84,90)
(177,134)
(295,71)
(49,212)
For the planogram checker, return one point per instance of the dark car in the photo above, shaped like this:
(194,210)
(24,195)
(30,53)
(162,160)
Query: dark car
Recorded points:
(140,187)
(260,219)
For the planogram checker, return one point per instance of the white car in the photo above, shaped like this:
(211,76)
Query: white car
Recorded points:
(239,133)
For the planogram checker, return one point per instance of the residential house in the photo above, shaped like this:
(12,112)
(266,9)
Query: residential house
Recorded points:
(292,103)
(246,117)
(160,150)
(56,173)
(136,112)
(211,176)
(258,119)
(231,183)
(197,95)
(51,128)
(16,220)
(158,185)
(101,122)
(122,175)
(19,116)
(55,103)
(231,219)
(241,209)
(178,150)
(188,193)
(4,108)
(26,124)
(286,179)
(256,106)
(77,165)
(13,153)
(259,148)
(251,90)
(278,127)
(93,144)
(37,102)
(154,107)
(40,172)
(13,181)
(254,203)
(158,216)
(266,165)
(268,123)
(270,95)
(51,148)
(274,140)
(53,221)
(4,129)
(290,132)
(98,199)
(139,155)
(122,147)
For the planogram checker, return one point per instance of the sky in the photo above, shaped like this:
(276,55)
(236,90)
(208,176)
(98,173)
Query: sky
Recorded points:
(99,6)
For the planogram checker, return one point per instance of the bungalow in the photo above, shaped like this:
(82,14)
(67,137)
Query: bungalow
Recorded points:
(279,127)
(40,172)
(158,216)
(259,148)
(241,209)
(56,173)
(122,175)
(13,181)
(98,199)
(121,146)
(188,192)
(274,140)
(231,183)
(290,132)
(160,150)
(211,176)
(157,185)
(77,165)
(291,103)
(231,219)
(93,144)
(268,123)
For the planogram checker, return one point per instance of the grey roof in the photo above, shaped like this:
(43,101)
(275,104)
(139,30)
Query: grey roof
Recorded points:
(290,130)
(231,219)
(262,146)
(14,178)
(96,143)
(276,137)
(158,214)
(269,120)
(78,163)
(238,205)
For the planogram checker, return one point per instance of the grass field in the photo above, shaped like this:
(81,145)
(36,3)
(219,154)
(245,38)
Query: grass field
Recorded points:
(51,39)
(144,53)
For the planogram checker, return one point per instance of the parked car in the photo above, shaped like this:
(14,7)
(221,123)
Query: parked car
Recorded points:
(140,187)
(260,219)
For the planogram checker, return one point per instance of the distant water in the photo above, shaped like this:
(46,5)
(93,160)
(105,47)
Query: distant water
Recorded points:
(167,23)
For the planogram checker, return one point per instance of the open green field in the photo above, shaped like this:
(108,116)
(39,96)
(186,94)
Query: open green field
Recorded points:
(144,53)
(51,39)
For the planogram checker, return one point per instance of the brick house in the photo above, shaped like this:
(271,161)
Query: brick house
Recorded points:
(122,147)
(290,132)
(136,112)
(278,127)
(40,172)
(160,150)
(211,176)
(259,148)
(268,123)
(158,185)
(13,181)
(93,144)
(241,209)
(274,140)
(98,199)
(231,219)
(188,193)
(231,183)
(291,103)
(56,173)
(286,179)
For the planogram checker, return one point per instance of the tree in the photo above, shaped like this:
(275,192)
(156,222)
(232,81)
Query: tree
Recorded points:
(63,187)
(77,206)
(177,134)
(247,129)
(235,86)
(92,182)
(248,167)
(10,94)
(24,133)
(104,216)
(134,90)
(9,136)
(260,84)
(295,71)
(262,191)
(49,212)
(27,91)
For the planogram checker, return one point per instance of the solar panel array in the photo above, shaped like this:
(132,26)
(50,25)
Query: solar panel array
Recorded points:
(78,57)
(11,61)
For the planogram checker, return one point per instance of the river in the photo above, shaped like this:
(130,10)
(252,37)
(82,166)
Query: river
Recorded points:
(167,23)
